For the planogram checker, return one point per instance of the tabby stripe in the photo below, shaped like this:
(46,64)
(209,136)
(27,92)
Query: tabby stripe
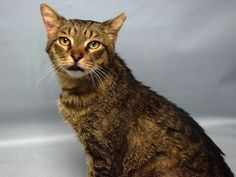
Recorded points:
(86,30)
(50,45)
(64,32)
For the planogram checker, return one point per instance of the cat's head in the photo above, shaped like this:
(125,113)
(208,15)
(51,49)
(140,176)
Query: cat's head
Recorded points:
(77,47)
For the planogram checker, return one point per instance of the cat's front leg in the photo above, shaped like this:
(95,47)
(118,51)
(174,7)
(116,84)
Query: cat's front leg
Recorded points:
(100,160)
(90,171)
(102,169)
(98,168)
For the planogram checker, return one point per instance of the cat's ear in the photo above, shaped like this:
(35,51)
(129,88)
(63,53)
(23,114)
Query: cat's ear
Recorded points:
(51,19)
(113,26)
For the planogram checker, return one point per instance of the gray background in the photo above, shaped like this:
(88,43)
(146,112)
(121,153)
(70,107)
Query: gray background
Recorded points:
(184,49)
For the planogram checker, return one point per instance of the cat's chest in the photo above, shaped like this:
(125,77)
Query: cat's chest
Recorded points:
(89,123)
(79,116)
(71,112)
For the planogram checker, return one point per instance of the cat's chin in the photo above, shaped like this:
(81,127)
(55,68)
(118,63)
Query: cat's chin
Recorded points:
(76,74)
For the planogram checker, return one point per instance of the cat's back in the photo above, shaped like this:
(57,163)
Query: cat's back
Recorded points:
(166,141)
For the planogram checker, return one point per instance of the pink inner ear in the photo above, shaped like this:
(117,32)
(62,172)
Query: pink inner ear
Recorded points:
(49,27)
(49,22)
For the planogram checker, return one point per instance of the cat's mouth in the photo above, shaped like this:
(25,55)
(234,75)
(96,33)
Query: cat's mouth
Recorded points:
(76,71)
(75,68)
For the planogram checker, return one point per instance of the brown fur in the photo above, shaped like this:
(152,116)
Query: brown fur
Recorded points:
(127,129)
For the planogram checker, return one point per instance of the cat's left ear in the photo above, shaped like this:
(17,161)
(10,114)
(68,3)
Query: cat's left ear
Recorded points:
(113,26)
(51,19)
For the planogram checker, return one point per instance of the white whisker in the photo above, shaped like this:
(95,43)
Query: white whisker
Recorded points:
(98,78)
(44,75)
(105,75)
(92,78)
(54,73)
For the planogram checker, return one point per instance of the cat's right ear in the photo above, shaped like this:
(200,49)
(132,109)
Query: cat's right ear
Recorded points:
(51,19)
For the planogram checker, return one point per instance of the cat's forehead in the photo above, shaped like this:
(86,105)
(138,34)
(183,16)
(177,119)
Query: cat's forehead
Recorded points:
(85,28)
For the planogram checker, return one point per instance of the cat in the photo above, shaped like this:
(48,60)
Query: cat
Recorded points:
(127,129)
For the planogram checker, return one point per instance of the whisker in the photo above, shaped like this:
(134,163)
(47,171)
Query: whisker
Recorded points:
(45,70)
(56,69)
(91,77)
(46,66)
(106,76)
(87,66)
(44,75)
(98,78)
(106,67)
(89,62)
(94,75)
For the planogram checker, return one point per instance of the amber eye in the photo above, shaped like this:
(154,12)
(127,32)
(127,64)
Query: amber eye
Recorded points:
(94,45)
(64,41)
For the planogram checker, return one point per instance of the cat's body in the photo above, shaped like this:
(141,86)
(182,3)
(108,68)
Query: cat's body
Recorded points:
(127,129)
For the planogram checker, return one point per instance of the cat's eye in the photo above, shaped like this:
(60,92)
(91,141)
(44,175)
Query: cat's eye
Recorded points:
(94,45)
(64,41)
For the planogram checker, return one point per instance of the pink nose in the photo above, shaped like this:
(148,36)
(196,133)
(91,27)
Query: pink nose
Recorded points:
(77,56)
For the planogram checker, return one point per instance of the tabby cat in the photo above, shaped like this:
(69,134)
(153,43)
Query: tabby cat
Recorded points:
(127,129)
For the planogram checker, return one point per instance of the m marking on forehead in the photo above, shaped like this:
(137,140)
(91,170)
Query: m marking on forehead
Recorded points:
(72,31)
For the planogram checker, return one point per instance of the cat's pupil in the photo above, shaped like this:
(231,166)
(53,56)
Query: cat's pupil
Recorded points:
(65,40)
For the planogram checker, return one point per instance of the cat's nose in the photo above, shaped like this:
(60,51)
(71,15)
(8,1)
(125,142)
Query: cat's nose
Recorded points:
(76,56)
